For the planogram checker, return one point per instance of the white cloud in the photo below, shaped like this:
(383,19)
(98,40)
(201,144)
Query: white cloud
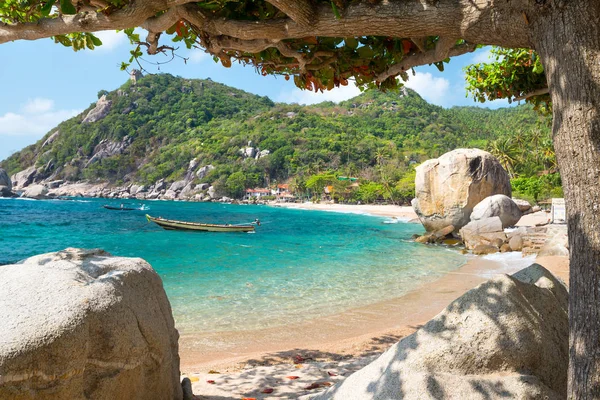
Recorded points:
(336,95)
(38,105)
(111,39)
(36,118)
(434,90)
(482,56)
(196,56)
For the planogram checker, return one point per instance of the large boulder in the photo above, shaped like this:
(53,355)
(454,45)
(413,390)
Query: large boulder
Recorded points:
(500,206)
(100,111)
(37,192)
(5,184)
(177,186)
(23,178)
(483,231)
(204,171)
(81,324)
(447,188)
(507,338)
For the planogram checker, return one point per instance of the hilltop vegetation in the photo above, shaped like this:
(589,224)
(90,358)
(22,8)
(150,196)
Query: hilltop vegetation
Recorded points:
(154,127)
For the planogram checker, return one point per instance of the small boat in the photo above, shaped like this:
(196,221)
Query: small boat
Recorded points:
(194,226)
(122,208)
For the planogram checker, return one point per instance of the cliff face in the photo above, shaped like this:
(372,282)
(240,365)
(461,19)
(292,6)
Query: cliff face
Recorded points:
(162,127)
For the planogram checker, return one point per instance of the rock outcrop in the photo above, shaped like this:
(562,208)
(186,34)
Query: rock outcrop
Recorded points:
(484,231)
(204,171)
(447,188)
(37,192)
(108,148)
(507,338)
(81,324)
(24,178)
(5,184)
(101,110)
(500,206)
(51,139)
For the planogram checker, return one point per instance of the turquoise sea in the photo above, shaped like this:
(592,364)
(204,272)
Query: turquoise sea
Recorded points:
(298,265)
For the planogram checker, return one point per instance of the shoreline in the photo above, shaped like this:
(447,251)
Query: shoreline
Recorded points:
(328,349)
(402,213)
(357,332)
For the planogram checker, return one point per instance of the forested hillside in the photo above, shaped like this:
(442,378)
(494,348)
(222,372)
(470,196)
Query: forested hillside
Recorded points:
(151,129)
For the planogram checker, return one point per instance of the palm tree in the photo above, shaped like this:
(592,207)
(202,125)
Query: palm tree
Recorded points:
(506,153)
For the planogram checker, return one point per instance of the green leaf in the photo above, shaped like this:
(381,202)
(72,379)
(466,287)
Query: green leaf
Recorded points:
(47,7)
(335,11)
(66,7)
(95,40)
(351,43)
(365,52)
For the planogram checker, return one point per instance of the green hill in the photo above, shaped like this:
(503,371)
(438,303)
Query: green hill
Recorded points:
(154,127)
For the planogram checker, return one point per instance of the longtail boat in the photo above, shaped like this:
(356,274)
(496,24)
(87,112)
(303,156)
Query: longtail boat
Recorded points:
(120,208)
(194,226)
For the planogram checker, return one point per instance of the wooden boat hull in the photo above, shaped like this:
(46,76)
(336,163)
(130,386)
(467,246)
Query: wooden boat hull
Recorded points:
(192,226)
(119,208)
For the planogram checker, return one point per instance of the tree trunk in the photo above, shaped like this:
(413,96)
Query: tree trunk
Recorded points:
(569,44)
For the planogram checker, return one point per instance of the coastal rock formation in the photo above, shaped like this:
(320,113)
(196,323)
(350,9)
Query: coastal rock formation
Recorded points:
(483,231)
(51,139)
(5,184)
(177,186)
(100,111)
(507,338)
(23,178)
(37,192)
(500,206)
(108,148)
(523,205)
(189,175)
(83,324)
(447,188)
(202,172)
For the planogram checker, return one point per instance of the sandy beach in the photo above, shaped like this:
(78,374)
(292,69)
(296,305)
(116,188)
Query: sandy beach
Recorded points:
(302,359)
(405,213)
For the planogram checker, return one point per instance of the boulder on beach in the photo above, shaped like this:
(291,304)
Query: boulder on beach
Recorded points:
(37,192)
(500,206)
(447,188)
(82,324)
(507,338)
(483,231)
(524,205)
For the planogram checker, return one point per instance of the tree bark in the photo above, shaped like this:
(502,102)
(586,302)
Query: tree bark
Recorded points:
(569,44)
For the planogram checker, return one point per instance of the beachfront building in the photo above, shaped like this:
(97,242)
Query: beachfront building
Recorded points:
(257,193)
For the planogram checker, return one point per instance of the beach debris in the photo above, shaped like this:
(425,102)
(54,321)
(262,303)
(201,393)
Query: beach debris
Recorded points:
(299,366)
(267,390)
(331,373)
(210,381)
(248,398)
(194,379)
(293,377)
(212,371)
(317,385)
(298,359)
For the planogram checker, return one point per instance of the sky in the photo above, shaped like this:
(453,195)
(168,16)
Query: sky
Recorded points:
(44,83)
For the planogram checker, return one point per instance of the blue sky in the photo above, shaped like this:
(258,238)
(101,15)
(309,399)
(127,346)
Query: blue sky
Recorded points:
(45,83)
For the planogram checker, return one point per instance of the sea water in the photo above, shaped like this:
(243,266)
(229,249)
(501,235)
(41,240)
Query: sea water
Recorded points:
(296,266)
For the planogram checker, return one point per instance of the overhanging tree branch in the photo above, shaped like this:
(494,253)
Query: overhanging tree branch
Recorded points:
(427,57)
(300,11)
